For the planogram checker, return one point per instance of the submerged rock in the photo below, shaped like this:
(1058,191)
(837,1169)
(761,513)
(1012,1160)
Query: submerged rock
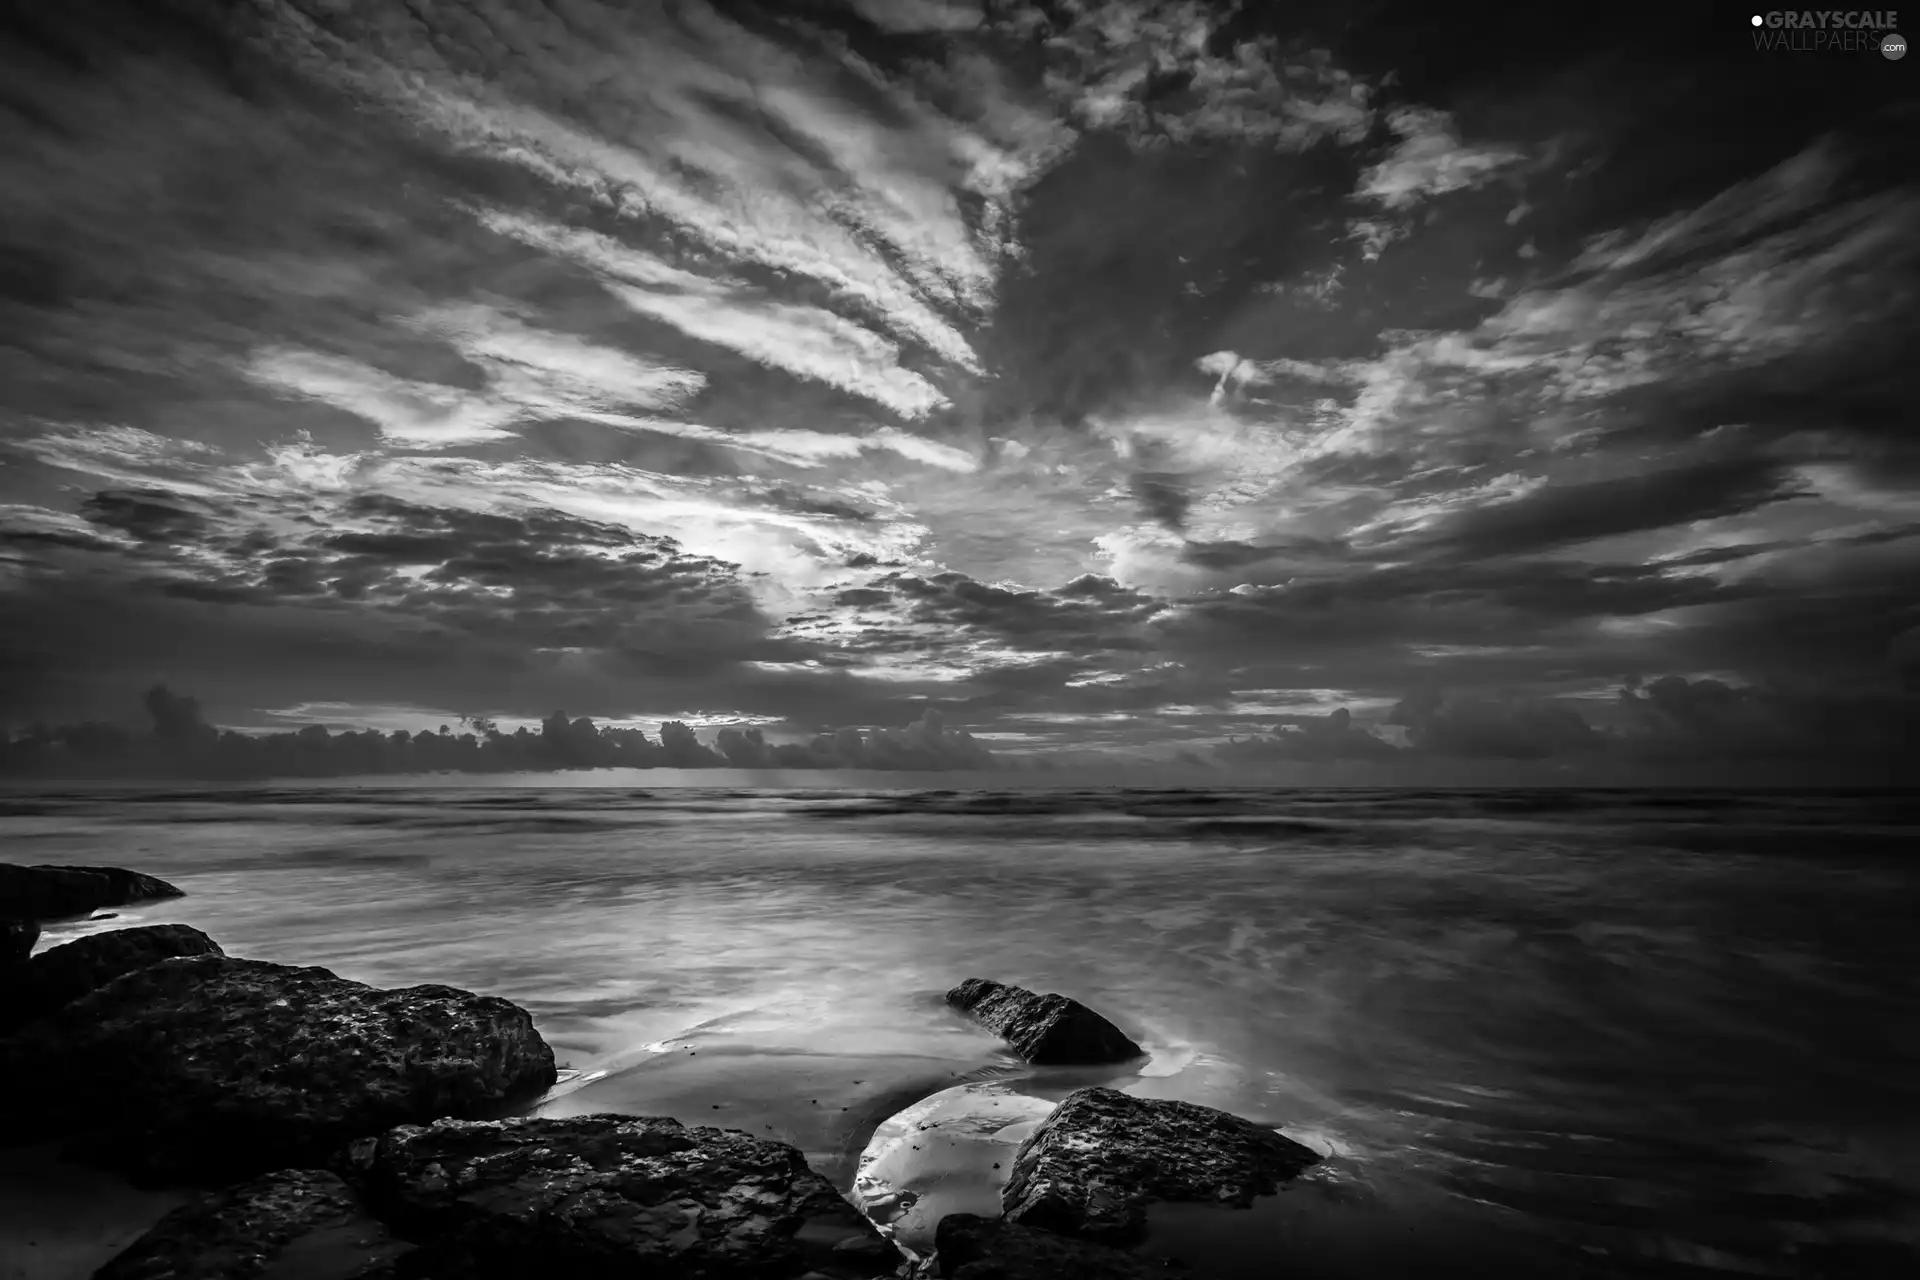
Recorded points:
(611,1195)
(214,1068)
(303,1223)
(948,1153)
(53,893)
(16,945)
(1043,1029)
(62,974)
(1094,1165)
(970,1247)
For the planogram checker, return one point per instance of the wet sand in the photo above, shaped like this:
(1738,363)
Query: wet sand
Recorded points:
(827,1105)
(62,1221)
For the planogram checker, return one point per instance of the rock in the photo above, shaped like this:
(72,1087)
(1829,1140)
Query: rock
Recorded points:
(297,1222)
(1093,1166)
(213,1068)
(53,893)
(948,1153)
(970,1247)
(16,944)
(1043,1029)
(612,1195)
(64,973)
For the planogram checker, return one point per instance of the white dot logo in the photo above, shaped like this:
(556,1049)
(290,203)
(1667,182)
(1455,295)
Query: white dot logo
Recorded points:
(1757,19)
(1894,47)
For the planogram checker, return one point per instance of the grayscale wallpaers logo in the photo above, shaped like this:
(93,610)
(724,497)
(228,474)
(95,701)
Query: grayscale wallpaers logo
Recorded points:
(1831,31)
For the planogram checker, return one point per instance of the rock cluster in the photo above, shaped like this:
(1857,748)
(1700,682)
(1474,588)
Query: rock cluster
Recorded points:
(213,1067)
(370,1134)
(613,1195)
(1074,1198)
(60,975)
(1047,1030)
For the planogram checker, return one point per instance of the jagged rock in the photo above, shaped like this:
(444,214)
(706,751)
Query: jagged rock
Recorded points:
(970,1247)
(612,1195)
(53,893)
(64,973)
(1094,1165)
(297,1222)
(1043,1029)
(16,945)
(214,1068)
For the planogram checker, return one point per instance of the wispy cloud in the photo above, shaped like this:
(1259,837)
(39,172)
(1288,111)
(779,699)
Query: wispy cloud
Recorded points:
(1112,369)
(1430,160)
(809,342)
(532,376)
(694,124)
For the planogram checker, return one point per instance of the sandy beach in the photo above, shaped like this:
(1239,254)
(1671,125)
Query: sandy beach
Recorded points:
(62,1221)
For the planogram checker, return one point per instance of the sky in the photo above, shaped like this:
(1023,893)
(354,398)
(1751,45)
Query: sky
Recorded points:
(1121,378)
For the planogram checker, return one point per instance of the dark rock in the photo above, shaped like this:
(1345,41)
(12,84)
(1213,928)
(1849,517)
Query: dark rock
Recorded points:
(1094,1165)
(1043,1029)
(213,1068)
(970,1247)
(54,893)
(611,1196)
(62,974)
(16,944)
(297,1222)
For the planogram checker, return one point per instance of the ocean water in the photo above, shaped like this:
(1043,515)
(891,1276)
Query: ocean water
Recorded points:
(1578,1032)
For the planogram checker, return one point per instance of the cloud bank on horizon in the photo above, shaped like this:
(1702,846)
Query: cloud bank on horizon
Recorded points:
(1124,380)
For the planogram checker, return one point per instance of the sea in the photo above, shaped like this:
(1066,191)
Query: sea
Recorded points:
(1532,1031)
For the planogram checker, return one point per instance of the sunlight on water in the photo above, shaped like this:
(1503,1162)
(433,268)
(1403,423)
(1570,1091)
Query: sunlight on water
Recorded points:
(1643,1030)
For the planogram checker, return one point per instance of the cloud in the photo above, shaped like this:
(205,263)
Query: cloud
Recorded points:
(813,368)
(756,526)
(921,15)
(530,376)
(372,598)
(1429,160)
(181,743)
(1152,71)
(1500,728)
(1312,738)
(682,129)
(809,342)
(1558,514)
(1163,498)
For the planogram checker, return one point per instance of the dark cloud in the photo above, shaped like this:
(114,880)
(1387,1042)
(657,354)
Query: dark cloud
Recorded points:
(787,500)
(1312,738)
(1089,615)
(180,743)
(147,514)
(975,371)
(1227,556)
(1493,727)
(1699,729)
(1163,497)
(1559,514)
